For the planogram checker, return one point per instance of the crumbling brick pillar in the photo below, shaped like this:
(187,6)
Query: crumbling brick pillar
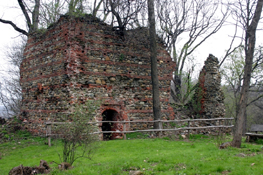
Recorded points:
(208,100)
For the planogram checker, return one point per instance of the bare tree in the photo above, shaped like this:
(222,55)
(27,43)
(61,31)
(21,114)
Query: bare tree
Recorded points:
(125,12)
(185,25)
(248,14)
(43,13)
(32,22)
(51,11)
(233,73)
(154,70)
(10,89)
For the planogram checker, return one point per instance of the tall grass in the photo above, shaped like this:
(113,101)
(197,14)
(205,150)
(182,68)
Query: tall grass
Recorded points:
(150,156)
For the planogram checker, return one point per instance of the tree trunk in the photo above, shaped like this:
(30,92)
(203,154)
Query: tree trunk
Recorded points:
(121,26)
(245,124)
(249,49)
(243,103)
(154,71)
(35,16)
(176,87)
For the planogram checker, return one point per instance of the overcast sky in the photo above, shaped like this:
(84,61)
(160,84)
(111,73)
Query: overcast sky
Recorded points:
(8,35)
(215,45)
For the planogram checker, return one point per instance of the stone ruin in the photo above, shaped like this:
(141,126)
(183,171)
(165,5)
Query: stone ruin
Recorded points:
(79,59)
(207,101)
(209,97)
(84,58)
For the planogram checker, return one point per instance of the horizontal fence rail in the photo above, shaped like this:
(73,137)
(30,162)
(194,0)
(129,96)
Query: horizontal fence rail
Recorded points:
(159,130)
(188,128)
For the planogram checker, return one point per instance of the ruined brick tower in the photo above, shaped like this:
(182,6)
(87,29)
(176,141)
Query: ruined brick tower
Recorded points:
(86,57)
(209,97)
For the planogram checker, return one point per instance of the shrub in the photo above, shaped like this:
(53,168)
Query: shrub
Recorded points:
(77,136)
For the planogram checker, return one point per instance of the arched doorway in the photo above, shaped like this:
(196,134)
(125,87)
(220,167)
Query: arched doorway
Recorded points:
(111,115)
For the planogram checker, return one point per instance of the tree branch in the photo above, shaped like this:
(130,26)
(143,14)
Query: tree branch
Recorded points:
(259,97)
(23,8)
(14,26)
(229,51)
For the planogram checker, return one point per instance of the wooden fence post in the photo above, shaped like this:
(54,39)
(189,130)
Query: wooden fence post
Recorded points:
(124,129)
(160,127)
(175,132)
(188,129)
(219,132)
(49,132)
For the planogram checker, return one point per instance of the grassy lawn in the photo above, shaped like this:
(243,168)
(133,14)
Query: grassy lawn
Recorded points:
(150,156)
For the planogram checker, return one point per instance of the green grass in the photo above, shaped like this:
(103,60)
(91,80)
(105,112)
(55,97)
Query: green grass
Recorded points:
(151,156)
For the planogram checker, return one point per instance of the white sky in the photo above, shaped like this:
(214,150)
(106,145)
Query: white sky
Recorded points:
(215,45)
(8,35)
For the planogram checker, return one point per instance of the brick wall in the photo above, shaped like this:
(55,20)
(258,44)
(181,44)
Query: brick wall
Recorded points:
(209,97)
(84,58)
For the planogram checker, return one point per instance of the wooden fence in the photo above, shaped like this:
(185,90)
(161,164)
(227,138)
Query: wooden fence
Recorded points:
(188,128)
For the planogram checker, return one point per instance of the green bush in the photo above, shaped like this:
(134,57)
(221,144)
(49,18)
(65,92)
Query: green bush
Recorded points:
(77,136)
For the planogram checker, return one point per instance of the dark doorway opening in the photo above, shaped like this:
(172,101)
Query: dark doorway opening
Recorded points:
(110,115)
